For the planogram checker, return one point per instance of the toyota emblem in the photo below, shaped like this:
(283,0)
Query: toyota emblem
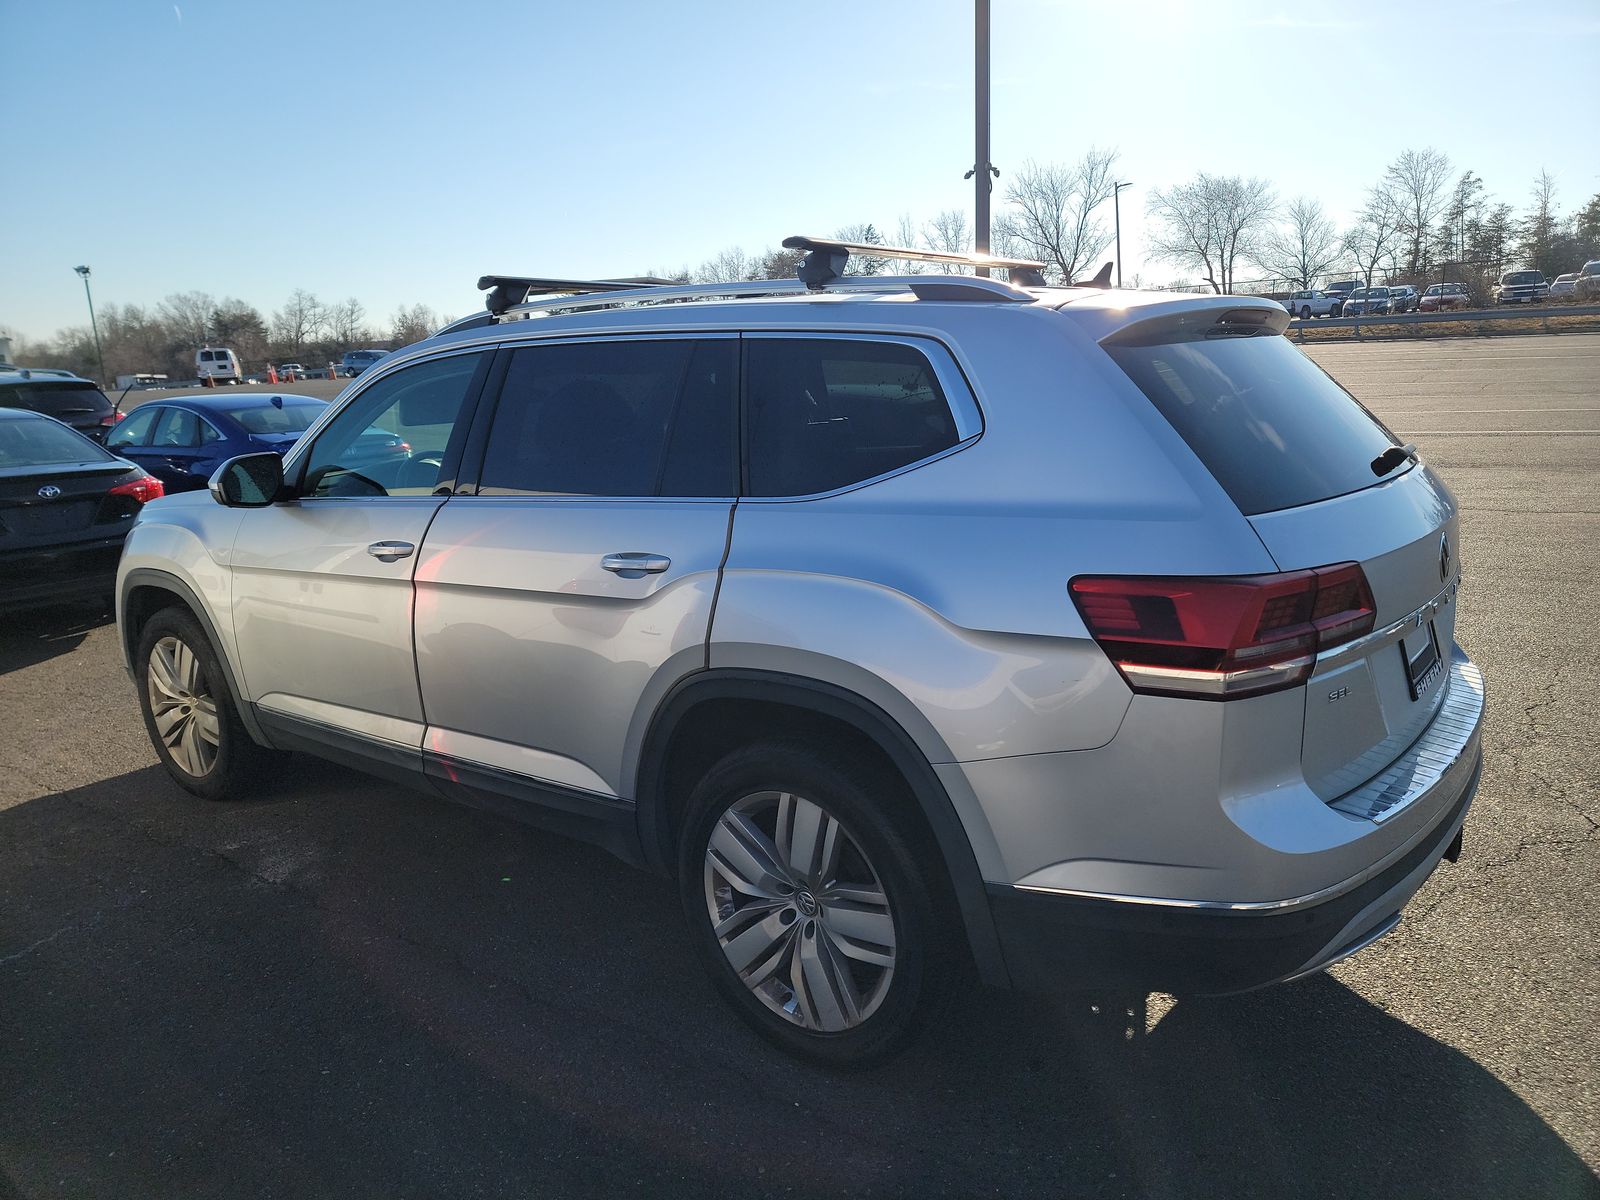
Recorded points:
(1444,556)
(49,492)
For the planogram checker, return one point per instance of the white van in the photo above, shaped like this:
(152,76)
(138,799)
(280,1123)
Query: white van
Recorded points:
(218,364)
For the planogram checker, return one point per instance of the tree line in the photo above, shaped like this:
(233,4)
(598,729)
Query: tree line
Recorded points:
(162,338)
(1419,223)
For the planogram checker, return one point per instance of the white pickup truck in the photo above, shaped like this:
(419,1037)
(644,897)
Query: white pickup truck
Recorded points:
(1312,303)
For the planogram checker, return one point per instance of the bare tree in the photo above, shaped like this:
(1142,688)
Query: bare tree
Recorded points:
(1376,237)
(186,315)
(1304,247)
(732,265)
(863,264)
(298,321)
(1417,182)
(949,232)
(1210,223)
(344,322)
(1054,212)
(1461,212)
(412,324)
(907,235)
(1540,226)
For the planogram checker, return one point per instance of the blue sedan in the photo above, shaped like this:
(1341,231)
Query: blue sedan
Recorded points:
(181,442)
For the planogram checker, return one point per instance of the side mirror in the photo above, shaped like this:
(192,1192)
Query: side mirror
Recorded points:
(249,481)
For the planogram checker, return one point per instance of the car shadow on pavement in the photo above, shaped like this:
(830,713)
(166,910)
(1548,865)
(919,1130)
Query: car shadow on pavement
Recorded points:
(344,988)
(40,634)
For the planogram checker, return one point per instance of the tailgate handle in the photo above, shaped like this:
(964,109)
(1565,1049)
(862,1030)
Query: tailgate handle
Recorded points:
(633,563)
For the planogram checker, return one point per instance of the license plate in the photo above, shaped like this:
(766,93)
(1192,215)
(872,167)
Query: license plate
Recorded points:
(1423,663)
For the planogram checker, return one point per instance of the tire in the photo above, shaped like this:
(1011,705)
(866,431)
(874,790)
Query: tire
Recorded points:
(1305,312)
(846,956)
(177,667)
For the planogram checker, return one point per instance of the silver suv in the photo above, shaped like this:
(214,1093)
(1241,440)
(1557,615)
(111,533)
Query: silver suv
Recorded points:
(1094,638)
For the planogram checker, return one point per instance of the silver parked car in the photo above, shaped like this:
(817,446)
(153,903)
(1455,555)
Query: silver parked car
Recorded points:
(1097,638)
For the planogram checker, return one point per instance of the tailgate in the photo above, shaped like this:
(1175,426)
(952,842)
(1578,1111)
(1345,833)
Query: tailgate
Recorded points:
(1369,700)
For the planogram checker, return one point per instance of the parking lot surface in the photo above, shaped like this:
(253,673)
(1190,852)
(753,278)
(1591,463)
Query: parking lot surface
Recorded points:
(340,988)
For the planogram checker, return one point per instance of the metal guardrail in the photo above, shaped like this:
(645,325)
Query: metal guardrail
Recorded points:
(1458,316)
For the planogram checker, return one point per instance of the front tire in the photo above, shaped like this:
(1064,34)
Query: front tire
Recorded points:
(188,710)
(805,880)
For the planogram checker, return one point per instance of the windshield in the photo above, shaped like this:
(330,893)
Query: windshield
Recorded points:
(1435,290)
(1522,277)
(30,442)
(291,418)
(1269,424)
(1359,294)
(1378,293)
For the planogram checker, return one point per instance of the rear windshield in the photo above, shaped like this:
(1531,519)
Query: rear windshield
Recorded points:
(291,418)
(30,442)
(60,400)
(1273,428)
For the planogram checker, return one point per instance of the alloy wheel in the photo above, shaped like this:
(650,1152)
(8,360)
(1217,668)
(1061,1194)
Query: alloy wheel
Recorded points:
(799,911)
(182,706)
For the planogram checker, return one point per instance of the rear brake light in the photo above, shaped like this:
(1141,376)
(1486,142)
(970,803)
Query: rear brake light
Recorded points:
(111,418)
(144,489)
(1220,638)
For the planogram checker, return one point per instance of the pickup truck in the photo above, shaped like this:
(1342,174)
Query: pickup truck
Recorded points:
(1313,303)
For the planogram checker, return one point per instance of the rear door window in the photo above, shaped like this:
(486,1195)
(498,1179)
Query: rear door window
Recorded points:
(644,417)
(1271,426)
(134,430)
(824,413)
(178,427)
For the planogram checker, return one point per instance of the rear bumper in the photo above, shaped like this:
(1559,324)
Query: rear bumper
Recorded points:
(58,574)
(1056,943)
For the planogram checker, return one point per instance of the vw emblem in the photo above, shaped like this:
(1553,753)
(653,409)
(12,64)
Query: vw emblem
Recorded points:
(49,492)
(806,903)
(1444,556)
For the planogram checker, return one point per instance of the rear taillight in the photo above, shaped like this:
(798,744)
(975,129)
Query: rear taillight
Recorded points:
(1221,638)
(111,418)
(143,489)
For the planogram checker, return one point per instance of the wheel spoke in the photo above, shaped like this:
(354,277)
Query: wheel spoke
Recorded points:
(810,832)
(756,942)
(735,921)
(186,748)
(163,673)
(864,952)
(168,718)
(188,664)
(748,860)
(861,924)
(826,985)
(206,721)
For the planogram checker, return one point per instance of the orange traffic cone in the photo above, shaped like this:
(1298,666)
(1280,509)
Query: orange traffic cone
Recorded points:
(272,373)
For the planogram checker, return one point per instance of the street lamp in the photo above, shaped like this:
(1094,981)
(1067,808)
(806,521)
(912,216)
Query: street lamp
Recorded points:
(93,324)
(1116,208)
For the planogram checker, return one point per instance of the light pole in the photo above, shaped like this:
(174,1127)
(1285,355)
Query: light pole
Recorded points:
(1116,210)
(982,169)
(93,324)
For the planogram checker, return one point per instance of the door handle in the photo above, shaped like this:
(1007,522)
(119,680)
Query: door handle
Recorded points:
(633,564)
(391,551)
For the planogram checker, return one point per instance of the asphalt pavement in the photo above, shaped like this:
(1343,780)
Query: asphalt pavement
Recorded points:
(341,988)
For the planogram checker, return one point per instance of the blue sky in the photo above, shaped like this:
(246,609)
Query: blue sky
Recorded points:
(395,151)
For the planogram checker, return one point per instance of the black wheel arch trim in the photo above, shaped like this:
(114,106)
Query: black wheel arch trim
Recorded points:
(867,718)
(167,582)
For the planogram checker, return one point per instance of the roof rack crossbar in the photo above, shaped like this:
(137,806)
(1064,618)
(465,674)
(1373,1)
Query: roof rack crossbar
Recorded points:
(923,287)
(511,290)
(826,257)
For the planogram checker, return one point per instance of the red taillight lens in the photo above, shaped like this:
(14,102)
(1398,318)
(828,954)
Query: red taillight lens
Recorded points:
(111,418)
(1222,638)
(143,489)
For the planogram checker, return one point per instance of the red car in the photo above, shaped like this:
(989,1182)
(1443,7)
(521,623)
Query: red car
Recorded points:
(1446,295)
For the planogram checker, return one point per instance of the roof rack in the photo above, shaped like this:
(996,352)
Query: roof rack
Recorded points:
(826,257)
(923,287)
(511,290)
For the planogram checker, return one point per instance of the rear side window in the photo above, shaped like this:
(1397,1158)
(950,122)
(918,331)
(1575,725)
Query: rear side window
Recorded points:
(1273,428)
(649,417)
(178,427)
(823,413)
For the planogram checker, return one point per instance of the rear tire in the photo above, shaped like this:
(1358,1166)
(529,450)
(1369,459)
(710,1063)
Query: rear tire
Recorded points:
(809,899)
(189,712)
(1305,312)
